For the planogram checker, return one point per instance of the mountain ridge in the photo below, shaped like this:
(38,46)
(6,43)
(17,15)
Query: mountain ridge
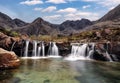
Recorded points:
(41,27)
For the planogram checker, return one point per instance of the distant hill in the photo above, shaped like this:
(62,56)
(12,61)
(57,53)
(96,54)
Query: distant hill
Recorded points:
(42,27)
(69,27)
(39,27)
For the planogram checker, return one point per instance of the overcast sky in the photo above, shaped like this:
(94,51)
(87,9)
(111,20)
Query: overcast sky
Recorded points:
(57,11)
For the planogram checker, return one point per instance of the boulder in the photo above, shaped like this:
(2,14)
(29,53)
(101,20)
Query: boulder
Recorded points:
(8,59)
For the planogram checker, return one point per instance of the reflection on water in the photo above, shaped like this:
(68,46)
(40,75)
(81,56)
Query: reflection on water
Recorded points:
(61,71)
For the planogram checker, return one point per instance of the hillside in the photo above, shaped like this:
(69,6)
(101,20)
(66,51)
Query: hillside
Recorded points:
(111,15)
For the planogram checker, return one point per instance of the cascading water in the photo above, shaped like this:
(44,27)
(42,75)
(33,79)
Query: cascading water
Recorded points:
(108,56)
(34,53)
(91,51)
(77,52)
(53,50)
(43,49)
(26,49)
(13,45)
(49,49)
(39,51)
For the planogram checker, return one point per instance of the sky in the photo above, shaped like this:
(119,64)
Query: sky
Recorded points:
(57,11)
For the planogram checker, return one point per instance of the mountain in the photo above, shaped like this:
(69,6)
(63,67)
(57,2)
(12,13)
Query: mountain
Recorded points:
(111,15)
(6,21)
(68,27)
(19,22)
(42,27)
(109,20)
(39,27)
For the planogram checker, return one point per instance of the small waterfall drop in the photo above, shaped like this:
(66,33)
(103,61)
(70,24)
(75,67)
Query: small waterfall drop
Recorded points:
(12,46)
(43,49)
(53,50)
(49,49)
(108,56)
(78,52)
(26,48)
(91,51)
(34,53)
(39,51)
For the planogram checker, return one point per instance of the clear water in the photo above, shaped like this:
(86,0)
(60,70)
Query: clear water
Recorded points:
(62,71)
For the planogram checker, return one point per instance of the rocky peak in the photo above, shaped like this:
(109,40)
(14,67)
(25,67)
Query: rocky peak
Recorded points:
(19,22)
(78,24)
(4,17)
(6,21)
(111,15)
(38,20)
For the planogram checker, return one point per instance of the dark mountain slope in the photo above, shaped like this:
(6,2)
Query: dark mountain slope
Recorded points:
(111,15)
(39,27)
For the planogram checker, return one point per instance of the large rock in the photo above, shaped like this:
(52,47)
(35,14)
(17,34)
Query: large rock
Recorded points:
(8,59)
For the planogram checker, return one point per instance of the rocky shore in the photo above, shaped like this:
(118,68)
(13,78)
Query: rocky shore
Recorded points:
(8,59)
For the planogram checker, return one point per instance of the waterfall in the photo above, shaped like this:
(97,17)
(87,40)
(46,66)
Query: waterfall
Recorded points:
(39,51)
(82,50)
(53,50)
(26,49)
(74,50)
(108,56)
(78,52)
(91,51)
(13,45)
(43,49)
(49,49)
(34,53)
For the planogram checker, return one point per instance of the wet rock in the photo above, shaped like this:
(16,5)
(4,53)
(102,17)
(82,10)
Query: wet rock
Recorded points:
(64,48)
(8,59)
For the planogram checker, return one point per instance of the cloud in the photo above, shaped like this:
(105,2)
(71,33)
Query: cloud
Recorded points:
(38,9)
(75,14)
(109,3)
(105,3)
(56,1)
(53,18)
(90,0)
(49,9)
(72,0)
(80,14)
(86,6)
(31,2)
(67,10)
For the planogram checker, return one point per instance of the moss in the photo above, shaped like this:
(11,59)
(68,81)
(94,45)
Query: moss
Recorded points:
(14,34)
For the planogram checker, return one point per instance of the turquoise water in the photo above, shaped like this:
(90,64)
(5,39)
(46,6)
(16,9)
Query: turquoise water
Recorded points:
(62,71)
